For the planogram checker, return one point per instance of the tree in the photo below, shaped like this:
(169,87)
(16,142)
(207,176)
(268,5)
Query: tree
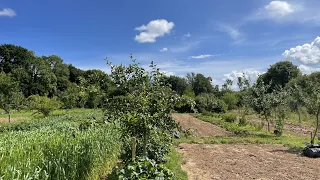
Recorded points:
(60,70)
(262,101)
(12,57)
(309,88)
(42,104)
(75,74)
(10,96)
(71,96)
(177,83)
(146,106)
(279,74)
(199,83)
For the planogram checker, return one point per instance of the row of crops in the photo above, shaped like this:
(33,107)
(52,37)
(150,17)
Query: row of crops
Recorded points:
(62,147)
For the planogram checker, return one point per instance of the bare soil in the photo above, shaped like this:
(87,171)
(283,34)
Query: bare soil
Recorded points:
(241,161)
(200,128)
(5,120)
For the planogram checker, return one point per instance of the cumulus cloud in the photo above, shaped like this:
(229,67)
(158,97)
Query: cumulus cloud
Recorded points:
(250,74)
(153,30)
(307,54)
(279,8)
(201,56)
(164,49)
(7,12)
(307,69)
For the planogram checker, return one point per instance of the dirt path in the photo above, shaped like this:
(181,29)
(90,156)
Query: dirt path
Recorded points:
(201,128)
(238,161)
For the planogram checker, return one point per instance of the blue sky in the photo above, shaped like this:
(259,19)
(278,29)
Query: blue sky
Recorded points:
(219,38)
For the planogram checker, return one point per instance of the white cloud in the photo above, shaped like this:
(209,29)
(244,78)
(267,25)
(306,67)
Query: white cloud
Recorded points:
(251,74)
(201,56)
(293,11)
(153,30)
(187,35)
(233,32)
(307,69)
(164,49)
(307,54)
(7,12)
(279,8)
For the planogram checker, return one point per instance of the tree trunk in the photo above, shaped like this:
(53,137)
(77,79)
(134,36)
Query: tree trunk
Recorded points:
(9,117)
(299,114)
(268,123)
(133,148)
(317,125)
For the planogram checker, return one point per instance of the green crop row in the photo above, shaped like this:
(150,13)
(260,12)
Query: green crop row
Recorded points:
(57,148)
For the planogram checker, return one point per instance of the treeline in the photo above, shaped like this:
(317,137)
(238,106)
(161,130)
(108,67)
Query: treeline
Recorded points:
(23,74)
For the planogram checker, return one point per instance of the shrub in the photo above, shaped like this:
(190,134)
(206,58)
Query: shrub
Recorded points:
(230,118)
(142,168)
(231,99)
(208,102)
(43,105)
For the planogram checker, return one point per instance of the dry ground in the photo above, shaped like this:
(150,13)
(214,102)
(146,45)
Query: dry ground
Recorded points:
(5,120)
(201,128)
(239,161)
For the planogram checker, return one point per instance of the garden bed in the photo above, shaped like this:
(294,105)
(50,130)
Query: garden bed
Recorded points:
(241,161)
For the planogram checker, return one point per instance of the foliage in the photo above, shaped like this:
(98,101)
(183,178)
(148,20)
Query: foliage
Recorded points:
(189,92)
(56,149)
(146,106)
(231,99)
(143,168)
(43,105)
(199,83)
(10,96)
(279,74)
(177,83)
(231,118)
(208,102)
(262,101)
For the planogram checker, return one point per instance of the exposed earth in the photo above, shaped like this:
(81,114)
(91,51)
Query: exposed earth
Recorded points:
(242,161)
(200,128)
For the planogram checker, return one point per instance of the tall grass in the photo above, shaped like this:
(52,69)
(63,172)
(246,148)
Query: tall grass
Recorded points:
(57,148)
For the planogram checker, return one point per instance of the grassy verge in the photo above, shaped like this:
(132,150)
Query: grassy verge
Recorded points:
(174,164)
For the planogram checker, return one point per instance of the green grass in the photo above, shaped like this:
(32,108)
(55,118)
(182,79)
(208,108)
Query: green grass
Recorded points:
(27,114)
(174,164)
(58,148)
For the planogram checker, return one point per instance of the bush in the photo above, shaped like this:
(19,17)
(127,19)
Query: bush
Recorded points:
(243,121)
(142,168)
(209,103)
(231,99)
(230,118)
(158,146)
(43,105)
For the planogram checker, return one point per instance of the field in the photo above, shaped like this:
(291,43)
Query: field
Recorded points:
(71,145)
(255,154)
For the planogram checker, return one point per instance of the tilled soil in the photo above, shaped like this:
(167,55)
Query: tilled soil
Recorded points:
(200,128)
(241,161)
